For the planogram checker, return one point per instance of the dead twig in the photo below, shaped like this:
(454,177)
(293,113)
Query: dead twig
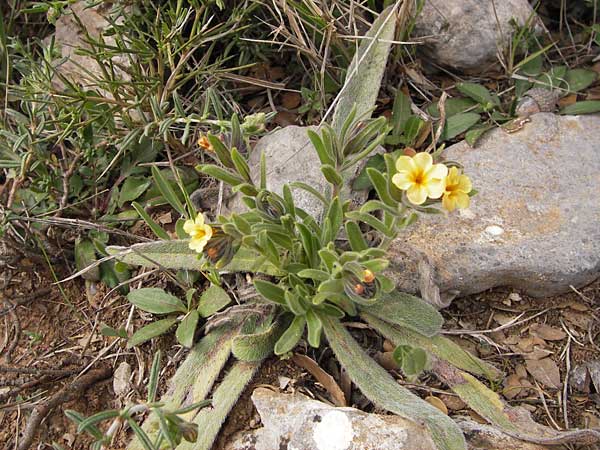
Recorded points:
(25,299)
(67,394)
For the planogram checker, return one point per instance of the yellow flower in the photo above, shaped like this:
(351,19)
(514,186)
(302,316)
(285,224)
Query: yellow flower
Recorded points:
(458,187)
(420,177)
(199,232)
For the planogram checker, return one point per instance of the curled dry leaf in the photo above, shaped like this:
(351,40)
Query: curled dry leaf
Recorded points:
(309,364)
(438,403)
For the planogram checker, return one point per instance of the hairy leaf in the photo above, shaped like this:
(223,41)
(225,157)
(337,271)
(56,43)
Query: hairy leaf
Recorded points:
(156,301)
(379,387)
(212,300)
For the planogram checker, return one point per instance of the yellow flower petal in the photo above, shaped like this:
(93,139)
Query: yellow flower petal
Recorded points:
(417,194)
(462,200)
(200,219)
(405,164)
(402,181)
(435,188)
(449,202)
(189,226)
(464,184)
(423,161)
(438,171)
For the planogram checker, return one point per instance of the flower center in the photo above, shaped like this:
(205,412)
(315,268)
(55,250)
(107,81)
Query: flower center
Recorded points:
(419,177)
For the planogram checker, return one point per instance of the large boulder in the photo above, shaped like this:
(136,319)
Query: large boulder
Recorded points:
(535,223)
(468,34)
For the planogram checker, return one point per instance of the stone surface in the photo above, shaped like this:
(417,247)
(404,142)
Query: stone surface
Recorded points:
(290,156)
(296,422)
(299,423)
(535,223)
(69,37)
(467,34)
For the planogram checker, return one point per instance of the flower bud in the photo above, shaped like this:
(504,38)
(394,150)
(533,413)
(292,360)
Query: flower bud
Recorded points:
(362,290)
(270,205)
(220,249)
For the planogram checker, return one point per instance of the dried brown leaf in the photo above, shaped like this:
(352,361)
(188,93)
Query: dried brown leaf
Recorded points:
(322,377)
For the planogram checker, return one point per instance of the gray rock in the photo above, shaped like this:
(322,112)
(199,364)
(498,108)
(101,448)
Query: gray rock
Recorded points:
(290,156)
(468,34)
(69,37)
(299,423)
(535,223)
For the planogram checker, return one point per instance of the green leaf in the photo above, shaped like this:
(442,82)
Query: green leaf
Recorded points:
(474,134)
(132,188)
(314,328)
(383,390)
(257,346)
(290,338)
(579,79)
(457,124)
(97,418)
(324,153)
(314,274)
(364,75)
(153,378)
(270,291)
(156,301)
(412,129)
(221,151)
(212,300)
(381,186)
(553,79)
(452,106)
(480,94)
(331,175)
(156,228)
(167,191)
(372,221)
(400,112)
(439,346)
(412,360)
(225,397)
(85,256)
(221,174)
(583,107)
(151,331)
(187,328)
(176,254)
(241,165)
(355,236)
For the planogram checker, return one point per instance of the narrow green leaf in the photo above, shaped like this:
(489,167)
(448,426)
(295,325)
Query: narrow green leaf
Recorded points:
(221,174)
(583,107)
(400,112)
(371,221)
(140,434)
(132,188)
(406,310)
(314,274)
(366,70)
(290,338)
(314,328)
(221,151)
(156,228)
(322,151)
(331,175)
(151,331)
(97,418)
(412,129)
(187,328)
(381,186)
(210,420)
(156,301)
(167,191)
(383,390)
(212,300)
(241,165)
(362,181)
(355,236)
(153,378)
